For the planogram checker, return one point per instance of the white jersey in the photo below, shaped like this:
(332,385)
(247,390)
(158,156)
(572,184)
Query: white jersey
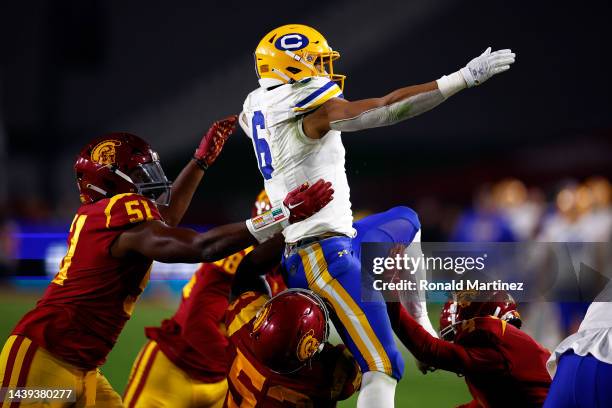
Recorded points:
(287,158)
(594,336)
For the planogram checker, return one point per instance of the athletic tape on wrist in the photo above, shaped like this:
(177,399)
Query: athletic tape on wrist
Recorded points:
(268,224)
(451,84)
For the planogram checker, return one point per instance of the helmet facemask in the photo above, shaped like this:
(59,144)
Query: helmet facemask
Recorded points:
(448,333)
(151,182)
(317,64)
(324,64)
(148,179)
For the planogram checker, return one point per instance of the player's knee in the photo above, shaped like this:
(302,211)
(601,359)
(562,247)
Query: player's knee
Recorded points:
(405,213)
(397,363)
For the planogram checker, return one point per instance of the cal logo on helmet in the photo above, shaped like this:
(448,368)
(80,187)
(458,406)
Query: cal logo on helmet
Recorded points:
(291,42)
(104,152)
(307,346)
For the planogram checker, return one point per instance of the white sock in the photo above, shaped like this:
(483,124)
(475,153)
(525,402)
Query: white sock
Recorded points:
(377,390)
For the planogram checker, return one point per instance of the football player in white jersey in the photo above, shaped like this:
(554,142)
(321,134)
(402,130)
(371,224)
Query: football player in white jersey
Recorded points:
(294,120)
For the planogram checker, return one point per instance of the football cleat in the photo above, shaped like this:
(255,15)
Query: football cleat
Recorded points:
(294,52)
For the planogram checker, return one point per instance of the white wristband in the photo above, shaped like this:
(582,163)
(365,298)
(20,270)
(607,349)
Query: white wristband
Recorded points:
(451,84)
(270,223)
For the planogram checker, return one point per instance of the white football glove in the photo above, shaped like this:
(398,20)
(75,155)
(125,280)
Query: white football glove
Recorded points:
(486,65)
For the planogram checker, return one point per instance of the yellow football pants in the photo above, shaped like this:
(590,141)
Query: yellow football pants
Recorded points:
(155,382)
(23,364)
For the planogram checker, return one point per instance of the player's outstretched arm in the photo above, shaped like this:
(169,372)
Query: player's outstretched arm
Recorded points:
(404,103)
(188,180)
(440,353)
(161,242)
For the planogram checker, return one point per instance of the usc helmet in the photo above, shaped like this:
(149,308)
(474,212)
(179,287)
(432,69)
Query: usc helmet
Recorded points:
(466,305)
(120,163)
(289,330)
(293,52)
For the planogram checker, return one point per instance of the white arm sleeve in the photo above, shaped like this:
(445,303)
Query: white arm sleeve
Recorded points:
(390,114)
(407,108)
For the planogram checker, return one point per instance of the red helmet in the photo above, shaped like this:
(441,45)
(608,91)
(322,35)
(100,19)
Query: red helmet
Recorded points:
(468,304)
(120,163)
(289,330)
(261,204)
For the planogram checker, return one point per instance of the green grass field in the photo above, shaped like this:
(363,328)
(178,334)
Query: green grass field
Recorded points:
(438,389)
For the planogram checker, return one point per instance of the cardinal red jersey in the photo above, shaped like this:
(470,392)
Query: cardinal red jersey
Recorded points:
(194,339)
(503,366)
(520,377)
(333,375)
(85,307)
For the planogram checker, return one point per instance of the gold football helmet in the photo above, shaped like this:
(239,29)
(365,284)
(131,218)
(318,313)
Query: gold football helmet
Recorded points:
(293,52)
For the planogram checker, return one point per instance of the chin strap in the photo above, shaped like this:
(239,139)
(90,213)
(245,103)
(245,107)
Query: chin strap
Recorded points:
(282,75)
(97,189)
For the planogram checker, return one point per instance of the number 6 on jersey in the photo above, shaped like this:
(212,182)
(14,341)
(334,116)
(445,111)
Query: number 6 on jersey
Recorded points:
(264,157)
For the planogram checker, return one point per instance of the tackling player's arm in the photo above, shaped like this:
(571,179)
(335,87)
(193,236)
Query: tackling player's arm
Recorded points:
(188,180)
(161,242)
(404,103)
(440,353)
(252,268)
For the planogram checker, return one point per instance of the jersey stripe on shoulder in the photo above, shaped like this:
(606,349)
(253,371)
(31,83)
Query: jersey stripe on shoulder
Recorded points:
(319,97)
(111,203)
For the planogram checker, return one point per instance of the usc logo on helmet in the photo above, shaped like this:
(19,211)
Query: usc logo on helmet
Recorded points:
(104,152)
(307,346)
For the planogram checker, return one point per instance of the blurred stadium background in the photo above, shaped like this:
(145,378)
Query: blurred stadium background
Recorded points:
(525,157)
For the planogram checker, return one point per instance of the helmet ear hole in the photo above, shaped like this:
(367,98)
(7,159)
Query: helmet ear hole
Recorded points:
(264,68)
(293,70)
